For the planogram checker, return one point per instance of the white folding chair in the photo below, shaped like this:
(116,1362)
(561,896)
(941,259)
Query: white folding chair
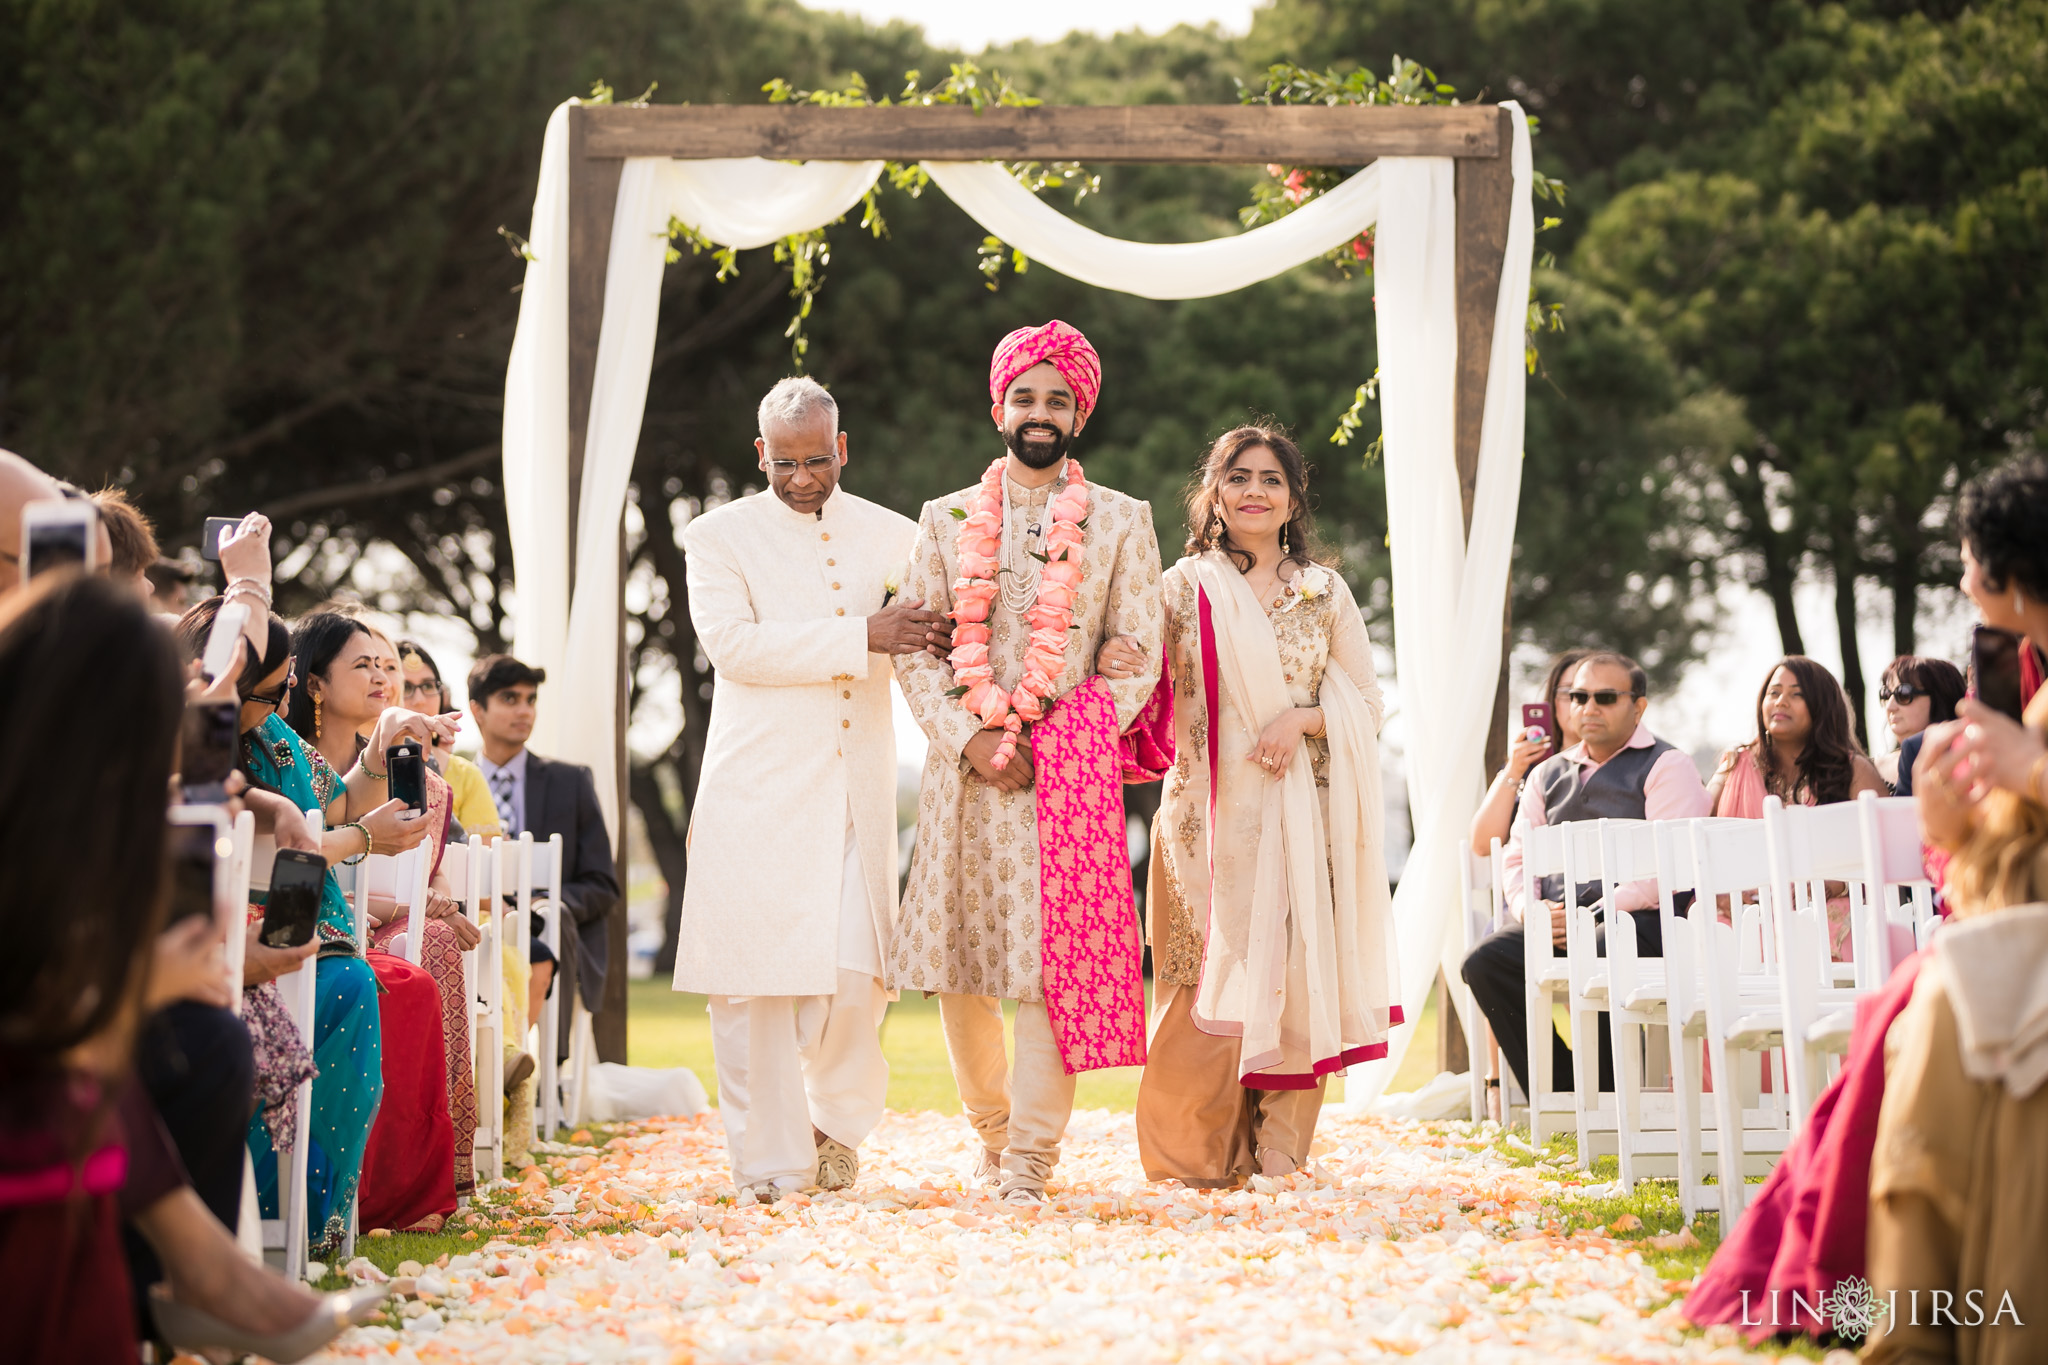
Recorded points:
(1743,1004)
(1810,846)
(1900,897)
(541,867)
(1570,851)
(286,1234)
(1478,885)
(1586,975)
(468,869)
(1634,991)
(401,878)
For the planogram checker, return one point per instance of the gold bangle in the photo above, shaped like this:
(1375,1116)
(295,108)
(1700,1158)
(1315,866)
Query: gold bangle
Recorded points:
(1322,723)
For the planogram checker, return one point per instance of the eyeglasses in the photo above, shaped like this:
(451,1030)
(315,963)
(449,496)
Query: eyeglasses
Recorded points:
(817,464)
(1604,697)
(1906,693)
(430,688)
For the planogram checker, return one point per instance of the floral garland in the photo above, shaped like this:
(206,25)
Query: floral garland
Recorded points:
(1051,615)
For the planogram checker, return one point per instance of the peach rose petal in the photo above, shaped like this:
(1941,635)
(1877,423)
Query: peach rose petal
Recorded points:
(1405,1239)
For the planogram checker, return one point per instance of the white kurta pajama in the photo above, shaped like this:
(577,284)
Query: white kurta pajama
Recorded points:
(791,893)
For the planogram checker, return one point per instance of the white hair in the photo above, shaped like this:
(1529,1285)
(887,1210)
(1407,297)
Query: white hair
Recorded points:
(796,404)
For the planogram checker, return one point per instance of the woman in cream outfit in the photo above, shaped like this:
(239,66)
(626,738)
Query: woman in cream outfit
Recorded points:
(1269,915)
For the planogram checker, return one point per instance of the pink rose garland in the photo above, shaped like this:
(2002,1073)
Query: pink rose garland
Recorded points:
(1051,615)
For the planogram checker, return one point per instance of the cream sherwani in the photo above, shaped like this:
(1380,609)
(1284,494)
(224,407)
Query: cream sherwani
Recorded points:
(969,926)
(791,889)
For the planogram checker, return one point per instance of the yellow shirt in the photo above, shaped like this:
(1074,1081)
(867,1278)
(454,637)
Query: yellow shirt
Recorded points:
(475,811)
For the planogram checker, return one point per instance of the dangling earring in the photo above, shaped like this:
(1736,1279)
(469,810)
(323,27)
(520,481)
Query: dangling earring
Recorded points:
(316,719)
(1284,551)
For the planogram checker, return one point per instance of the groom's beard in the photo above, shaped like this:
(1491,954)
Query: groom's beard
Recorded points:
(1038,456)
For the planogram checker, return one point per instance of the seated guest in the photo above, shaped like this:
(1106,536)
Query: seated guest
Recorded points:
(543,797)
(1804,754)
(1917,692)
(427,693)
(345,689)
(1810,1226)
(1617,770)
(1496,815)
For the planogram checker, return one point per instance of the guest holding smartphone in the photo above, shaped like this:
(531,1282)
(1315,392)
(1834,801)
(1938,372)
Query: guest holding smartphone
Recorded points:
(1495,817)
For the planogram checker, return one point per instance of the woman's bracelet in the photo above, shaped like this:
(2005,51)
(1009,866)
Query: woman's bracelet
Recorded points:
(368,842)
(254,586)
(372,773)
(1322,725)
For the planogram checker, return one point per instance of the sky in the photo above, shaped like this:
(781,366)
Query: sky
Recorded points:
(972,25)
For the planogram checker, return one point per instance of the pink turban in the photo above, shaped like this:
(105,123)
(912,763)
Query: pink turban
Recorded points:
(1056,343)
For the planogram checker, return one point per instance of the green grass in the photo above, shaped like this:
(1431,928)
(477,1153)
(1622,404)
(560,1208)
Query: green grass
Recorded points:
(666,1028)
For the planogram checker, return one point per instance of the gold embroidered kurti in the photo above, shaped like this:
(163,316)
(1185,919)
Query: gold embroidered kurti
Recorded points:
(1310,632)
(969,922)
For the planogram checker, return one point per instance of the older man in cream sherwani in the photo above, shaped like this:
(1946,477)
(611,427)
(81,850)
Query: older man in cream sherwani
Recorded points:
(792,882)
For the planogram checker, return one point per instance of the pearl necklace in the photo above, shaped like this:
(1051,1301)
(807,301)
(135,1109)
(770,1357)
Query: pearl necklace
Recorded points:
(1017,584)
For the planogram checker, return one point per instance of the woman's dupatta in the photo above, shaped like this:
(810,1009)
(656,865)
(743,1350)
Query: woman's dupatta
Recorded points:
(1298,974)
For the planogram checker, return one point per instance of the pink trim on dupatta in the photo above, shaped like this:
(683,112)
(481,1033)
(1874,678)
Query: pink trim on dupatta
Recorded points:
(1091,954)
(1148,747)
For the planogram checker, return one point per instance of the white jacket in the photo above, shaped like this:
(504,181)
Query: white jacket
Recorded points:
(800,727)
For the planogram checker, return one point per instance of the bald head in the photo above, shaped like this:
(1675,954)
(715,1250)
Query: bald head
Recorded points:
(20,483)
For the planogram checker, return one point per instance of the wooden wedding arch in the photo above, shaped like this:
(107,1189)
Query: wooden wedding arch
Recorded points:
(1477,136)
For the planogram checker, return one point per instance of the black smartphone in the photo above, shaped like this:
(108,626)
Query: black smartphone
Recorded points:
(406,765)
(1995,659)
(209,538)
(293,906)
(195,866)
(207,750)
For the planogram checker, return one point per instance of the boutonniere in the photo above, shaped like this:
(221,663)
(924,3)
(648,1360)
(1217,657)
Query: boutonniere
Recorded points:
(1311,583)
(892,585)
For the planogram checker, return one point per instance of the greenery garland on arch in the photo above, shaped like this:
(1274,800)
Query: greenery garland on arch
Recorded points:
(806,254)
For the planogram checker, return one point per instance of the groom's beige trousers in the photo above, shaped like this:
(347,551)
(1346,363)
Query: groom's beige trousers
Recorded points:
(1019,1111)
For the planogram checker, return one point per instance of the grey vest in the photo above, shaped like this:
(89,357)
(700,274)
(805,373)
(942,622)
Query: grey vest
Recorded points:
(1613,792)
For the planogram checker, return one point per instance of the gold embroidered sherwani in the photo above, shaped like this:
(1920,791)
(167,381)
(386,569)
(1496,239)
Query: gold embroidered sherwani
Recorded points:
(969,920)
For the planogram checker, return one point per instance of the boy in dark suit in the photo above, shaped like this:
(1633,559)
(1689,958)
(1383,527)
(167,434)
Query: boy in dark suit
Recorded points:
(544,797)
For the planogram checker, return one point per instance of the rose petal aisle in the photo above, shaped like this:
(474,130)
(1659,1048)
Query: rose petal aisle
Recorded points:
(1403,1239)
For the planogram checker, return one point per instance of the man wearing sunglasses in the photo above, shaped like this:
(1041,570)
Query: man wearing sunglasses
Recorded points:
(1617,771)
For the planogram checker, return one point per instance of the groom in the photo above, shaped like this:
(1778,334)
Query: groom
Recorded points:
(1019,886)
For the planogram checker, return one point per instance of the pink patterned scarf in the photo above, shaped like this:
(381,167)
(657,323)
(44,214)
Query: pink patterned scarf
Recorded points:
(1091,953)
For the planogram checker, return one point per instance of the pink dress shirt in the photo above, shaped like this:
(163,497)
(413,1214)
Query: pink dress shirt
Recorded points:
(1672,791)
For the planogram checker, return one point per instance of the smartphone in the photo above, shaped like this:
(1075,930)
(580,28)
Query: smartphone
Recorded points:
(220,641)
(1995,660)
(293,906)
(406,764)
(58,533)
(199,850)
(209,538)
(206,750)
(1536,716)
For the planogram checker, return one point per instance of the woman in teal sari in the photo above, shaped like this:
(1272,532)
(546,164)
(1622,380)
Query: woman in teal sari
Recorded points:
(347,1039)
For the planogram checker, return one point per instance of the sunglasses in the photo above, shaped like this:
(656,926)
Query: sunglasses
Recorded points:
(1604,697)
(1905,692)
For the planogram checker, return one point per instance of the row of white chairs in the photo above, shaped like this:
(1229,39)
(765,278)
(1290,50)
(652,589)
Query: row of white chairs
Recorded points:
(478,876)
(1757,997)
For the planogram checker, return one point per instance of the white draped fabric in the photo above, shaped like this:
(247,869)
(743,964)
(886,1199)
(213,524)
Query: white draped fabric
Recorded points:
(746,202)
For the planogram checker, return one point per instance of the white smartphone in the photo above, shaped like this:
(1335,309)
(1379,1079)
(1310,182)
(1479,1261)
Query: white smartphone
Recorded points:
(220,641)
(60,533)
